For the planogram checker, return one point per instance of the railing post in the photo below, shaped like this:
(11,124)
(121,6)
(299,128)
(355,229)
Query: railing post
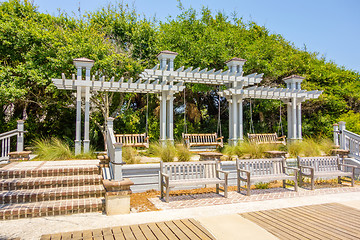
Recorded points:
(117,162)
(342,135)
(336,134)
(20,136)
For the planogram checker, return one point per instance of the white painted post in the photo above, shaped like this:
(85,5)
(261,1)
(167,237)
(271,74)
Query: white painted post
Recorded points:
(163,118)
(289,120)
(87,120)
(336,134)
(241,125)
(170,109)
(78,121)
(231,128)
(117,162)
(235,119)
(293,116)
(299,125)
(342,135)
(20,136)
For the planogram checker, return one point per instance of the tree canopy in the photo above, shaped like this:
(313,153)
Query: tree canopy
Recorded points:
(36,47)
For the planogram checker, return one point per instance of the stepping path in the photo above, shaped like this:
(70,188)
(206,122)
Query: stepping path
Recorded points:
(34,189)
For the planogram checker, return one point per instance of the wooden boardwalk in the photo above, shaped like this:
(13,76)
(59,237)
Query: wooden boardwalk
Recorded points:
(176,229)
(325,221)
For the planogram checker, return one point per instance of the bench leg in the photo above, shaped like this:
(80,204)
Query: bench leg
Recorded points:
(248,187)
(217,188)
(167,193)
(284,183)
(312,183)
(339,180)
(352,180)
(296,182)
(226,189)
(161,189)
(301,181)
(238,182)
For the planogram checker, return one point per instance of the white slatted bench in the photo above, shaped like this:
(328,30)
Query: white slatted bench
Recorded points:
(179,174)
(324,167)
(202,139)
(133,140)
(266,138)
(263,170)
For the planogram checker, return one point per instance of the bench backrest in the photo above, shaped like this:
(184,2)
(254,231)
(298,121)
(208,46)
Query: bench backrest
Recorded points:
(263,137)
(320,164)
(190,170)
(262,167)
(200,137)
(132,140)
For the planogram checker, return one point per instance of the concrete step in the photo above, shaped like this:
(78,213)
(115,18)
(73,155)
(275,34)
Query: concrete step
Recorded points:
(49,172)
(49,194)
(51,208)
(49,182)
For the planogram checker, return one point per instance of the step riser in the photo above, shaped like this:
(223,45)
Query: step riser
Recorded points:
(50,211)
(48,184)
(24,198)
(9,174)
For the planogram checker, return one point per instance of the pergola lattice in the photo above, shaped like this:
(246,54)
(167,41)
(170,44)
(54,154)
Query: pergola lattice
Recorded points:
(165,81)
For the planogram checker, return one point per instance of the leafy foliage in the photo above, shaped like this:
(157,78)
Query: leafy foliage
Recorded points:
(36,47)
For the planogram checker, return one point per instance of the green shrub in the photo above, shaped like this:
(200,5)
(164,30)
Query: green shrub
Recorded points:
(52,149)
(129,155)
(262,185)
(310,147)
(183,154)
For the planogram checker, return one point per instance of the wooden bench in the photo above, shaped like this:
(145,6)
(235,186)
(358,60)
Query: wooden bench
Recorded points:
(324,167)
(133,140)
(266,138)
(179,174)
(263,170)
(202,139)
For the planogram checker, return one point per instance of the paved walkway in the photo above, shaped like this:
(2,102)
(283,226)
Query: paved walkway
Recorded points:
(211,217)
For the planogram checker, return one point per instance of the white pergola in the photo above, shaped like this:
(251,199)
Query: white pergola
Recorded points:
(165,81)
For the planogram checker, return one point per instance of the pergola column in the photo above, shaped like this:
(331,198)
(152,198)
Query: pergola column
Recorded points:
(78,117)
(289,121)
(81,63)
(241,125)
(163,117)
(235,120)
(170,115)
(230,120)
(299,124)
(293,119)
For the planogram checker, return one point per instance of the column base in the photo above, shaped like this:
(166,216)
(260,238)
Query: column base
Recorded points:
(117,196)
(166,141)
(77,147)
(86,146)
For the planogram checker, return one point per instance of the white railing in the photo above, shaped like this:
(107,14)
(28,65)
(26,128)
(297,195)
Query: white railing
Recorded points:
(5,139)
(114,152)
(347,140)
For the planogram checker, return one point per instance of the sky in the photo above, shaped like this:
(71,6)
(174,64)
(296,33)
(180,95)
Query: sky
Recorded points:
(329,27)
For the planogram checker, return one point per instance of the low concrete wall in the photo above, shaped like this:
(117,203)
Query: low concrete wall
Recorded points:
(146,176)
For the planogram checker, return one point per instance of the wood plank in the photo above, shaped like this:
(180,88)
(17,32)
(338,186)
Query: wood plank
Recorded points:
(118,233)
(274,229)
(156,231)
(201,227)
(166,230)
(87,234)
(137,232)
(146,231)
(176,230)
(45,237)
(319,222)
(77,235)
(289,227)
(128,233)
(66,236)
(185,230)
(194,229)
(308,224)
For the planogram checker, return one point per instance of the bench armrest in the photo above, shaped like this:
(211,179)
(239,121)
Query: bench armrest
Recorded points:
(282,137)
(164,175)
(292,168)
(222,171)
(219,138)
(242,170)
(147,138)
(348,165)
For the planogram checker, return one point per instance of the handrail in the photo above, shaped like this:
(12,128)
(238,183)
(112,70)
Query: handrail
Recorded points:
(114,150)
(12,133)
(353,135)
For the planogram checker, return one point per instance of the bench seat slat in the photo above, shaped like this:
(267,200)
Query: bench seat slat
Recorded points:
(194,182)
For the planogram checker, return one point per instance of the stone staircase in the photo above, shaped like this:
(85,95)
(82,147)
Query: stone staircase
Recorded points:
(35,189)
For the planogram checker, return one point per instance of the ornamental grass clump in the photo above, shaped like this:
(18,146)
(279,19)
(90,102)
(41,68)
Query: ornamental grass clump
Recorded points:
(183,153)
(165,152)
(129,155)
(52,149)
